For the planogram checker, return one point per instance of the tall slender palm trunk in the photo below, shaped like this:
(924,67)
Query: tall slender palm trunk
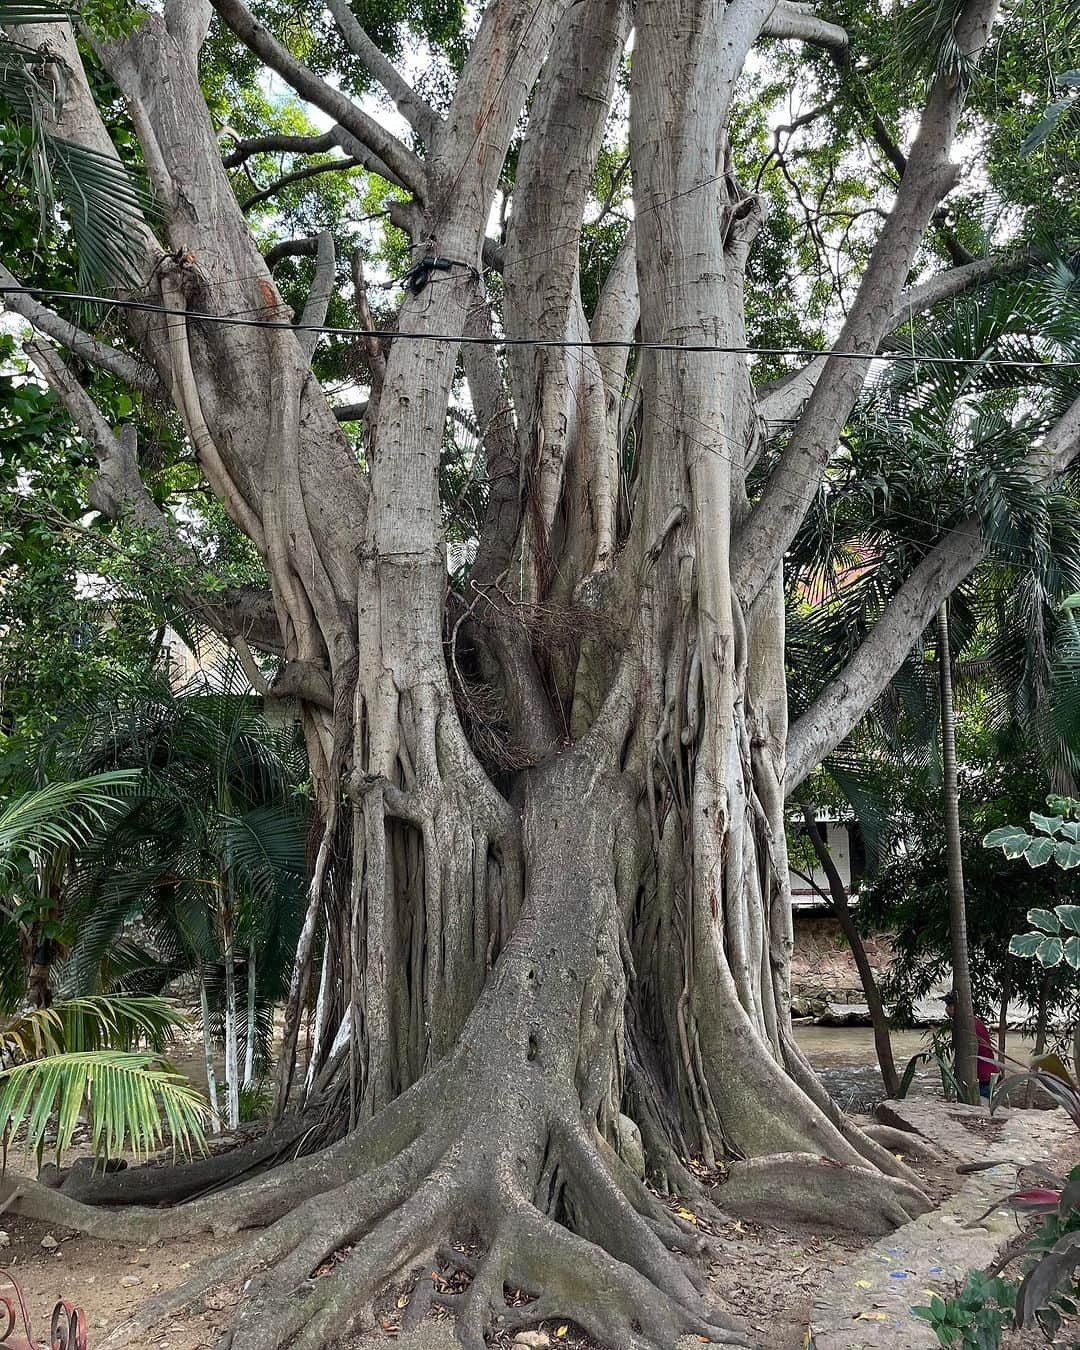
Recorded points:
(964,1024)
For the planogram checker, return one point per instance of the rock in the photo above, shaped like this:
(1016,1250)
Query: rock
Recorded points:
(130,1281)
(49,1242)
(631,1149)
(5,1239)
(535,1339)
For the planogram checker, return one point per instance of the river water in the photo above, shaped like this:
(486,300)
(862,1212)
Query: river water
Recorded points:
(845,1061)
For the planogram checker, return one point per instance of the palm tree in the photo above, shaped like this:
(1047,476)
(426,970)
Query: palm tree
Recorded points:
(964,1038)
(210,858)
(941,444)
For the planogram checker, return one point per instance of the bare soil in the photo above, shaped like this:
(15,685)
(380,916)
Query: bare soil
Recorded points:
(766,1276)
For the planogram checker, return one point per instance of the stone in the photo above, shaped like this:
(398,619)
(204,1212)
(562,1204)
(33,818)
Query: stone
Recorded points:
(536,1340)
(867,1304)
(130,1281)
(5,1239)
(49,1242)
(631,1149)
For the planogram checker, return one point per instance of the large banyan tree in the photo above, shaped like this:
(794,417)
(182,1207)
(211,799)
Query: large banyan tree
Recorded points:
(549,888)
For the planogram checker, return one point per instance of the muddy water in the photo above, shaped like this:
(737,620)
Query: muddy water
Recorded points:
(845,1061)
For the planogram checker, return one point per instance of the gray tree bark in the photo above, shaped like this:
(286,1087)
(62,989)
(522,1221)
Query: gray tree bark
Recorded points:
(551,875)
(879,1018)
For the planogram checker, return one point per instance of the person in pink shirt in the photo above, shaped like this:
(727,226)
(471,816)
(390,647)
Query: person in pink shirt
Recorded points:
(986,1064)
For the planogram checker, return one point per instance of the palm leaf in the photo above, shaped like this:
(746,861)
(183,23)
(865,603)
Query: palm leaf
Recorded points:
(130,1098)
(97,1022)
(61,814)
(107,203)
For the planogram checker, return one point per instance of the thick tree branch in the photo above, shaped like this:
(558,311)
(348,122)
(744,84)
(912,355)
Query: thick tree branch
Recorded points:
(845,700)
(189,22)
(279,143)
(291,248)
(351,412)
(249,613)
(318,301)
(791,20)
(420,115)
(118,489)
(299,176)
(772,524)
(782,400)
(119,492)
(81,344)
(403,164)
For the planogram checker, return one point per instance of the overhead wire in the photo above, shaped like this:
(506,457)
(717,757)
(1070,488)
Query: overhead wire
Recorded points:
(484,340)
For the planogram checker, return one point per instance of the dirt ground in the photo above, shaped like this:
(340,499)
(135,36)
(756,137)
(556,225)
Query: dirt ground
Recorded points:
(767,1276)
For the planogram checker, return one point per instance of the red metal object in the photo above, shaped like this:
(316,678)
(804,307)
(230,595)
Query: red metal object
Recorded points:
(67,1330)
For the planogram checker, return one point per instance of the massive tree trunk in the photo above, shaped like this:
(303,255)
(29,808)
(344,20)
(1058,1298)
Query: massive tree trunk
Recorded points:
(551,874)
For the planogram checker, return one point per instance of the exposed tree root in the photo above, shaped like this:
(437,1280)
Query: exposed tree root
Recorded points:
(903,1141)
(499,1146)
(805,1188)
(156,1185)
(318,1270)
(253,1203)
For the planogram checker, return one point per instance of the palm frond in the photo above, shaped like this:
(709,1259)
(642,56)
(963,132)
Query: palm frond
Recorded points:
(131,1100)
(61,814)
(97,1022)
(107,202)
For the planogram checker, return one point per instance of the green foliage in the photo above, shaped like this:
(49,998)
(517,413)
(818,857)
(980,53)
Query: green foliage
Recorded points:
(96,1022)
(975,1317)
(102,1057)
(256,1101)
(908,894)
(1055,936)
(1056,113)
(940,1053)
(926,39)
(130,1098)
(987,1306)
(60,815)
(106,202)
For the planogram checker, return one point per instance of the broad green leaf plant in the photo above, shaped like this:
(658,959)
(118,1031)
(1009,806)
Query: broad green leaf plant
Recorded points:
(1055,935)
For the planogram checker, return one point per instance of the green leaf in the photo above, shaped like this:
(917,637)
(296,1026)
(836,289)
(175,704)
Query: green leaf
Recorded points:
(1068,916)
(1044,128)
(1045,919)
(1072,952)
(1048,824)
(1006,836)
(1024,944)
(1050,951)
(61,815)
(1067,855)
(126,1095)
(1039,852)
